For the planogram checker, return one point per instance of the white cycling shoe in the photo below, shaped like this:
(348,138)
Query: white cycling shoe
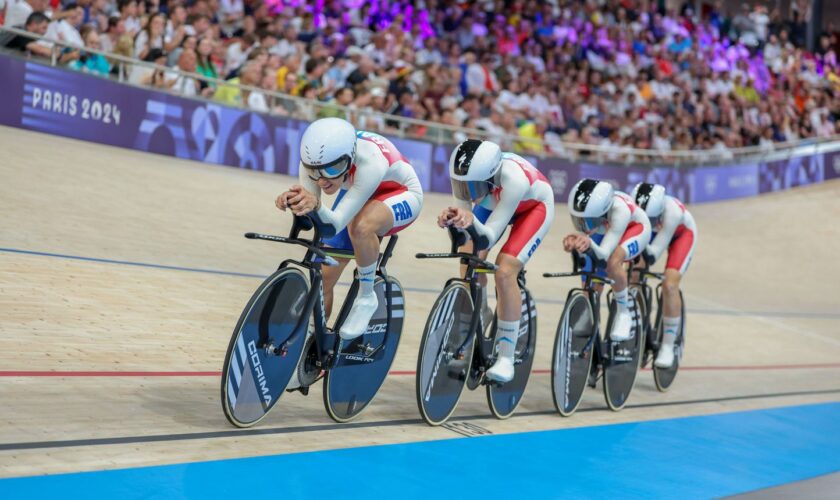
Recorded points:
(357,321)
(621,326)
(502,370)
(665,358)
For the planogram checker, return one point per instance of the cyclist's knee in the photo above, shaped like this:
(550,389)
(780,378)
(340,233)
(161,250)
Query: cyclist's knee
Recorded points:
(615,263)
(508,270)
(671,283)
(362,227)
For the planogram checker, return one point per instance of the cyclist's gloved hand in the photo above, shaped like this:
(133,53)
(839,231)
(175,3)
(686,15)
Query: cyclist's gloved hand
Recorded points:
(649,258)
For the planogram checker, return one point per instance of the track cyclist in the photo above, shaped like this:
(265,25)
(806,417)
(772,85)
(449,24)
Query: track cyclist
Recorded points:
(378,195)
(492,190)
(674,230)
(615,231)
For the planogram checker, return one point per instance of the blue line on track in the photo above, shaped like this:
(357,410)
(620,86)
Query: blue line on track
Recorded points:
(710,312)
(694,457)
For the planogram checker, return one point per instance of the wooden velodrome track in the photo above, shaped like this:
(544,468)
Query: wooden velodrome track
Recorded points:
(107,364)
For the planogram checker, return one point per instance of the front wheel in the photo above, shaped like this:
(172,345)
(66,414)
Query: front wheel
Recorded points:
(504,399)
(446,351)
(253,379)
(574,349)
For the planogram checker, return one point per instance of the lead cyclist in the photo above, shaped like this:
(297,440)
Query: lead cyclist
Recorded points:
(379,194)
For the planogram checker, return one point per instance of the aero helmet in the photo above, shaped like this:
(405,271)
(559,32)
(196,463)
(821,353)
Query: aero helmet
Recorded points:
(590,201)
(328,148)
(472,167)
(651,198)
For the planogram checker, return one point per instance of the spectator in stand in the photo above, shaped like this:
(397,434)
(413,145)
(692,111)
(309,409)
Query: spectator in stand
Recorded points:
(66,28)
(204,63)
(37,24)
(129,14)
(153,77)
(231,13)
(237,52)
(187,85)
(114,30)
(90,62)
(18,11)
(153,36)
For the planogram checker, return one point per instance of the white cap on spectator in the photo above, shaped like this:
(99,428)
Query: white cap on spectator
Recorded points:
(377,92)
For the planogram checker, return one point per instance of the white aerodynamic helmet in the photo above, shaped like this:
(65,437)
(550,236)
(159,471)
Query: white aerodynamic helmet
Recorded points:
(472,166)
(328,148)
(590,201)
(651,198)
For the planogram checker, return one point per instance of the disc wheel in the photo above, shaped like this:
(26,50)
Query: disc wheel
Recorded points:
(252,379)
(624,358)
(574,349)
(446,352)
(664,377)
(504,399)
(363,363)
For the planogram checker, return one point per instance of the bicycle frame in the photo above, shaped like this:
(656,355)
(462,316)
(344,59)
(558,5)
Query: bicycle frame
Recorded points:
(590,279)
(327,348)
(474,265)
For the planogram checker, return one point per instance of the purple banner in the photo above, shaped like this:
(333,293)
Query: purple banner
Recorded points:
(832,166)
(82,106)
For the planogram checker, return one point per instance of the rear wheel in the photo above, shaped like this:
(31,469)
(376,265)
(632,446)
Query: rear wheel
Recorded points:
(252,379)
(363,363)
(574,349)
(624,358)
(446,352)
(504,399)
(664,377)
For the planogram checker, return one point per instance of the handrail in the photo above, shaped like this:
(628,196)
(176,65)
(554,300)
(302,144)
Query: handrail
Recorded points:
(438,131)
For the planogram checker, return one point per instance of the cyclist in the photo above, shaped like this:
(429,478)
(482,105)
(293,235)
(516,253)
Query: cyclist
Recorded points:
(673,230)
(615,231)
(492,190)
(378,195)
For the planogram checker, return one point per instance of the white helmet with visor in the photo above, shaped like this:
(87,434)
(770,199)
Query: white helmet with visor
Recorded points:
(328,148)
(590,201)
(472,166)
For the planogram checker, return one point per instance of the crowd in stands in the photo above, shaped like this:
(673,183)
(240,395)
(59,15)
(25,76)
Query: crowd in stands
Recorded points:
(623,73)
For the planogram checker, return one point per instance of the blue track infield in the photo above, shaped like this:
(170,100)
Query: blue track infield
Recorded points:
(694,457)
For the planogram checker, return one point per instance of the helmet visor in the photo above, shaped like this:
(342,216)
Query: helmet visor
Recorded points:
(470,190)
(330,170)
(588,224)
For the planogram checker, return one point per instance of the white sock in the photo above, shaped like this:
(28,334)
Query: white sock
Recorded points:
(507,334)
(620,300)
(367,275)
(671,327)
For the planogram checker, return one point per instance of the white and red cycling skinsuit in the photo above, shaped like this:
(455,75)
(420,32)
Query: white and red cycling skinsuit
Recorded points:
(627,225)
(379,172)
(678,235)
(524,199)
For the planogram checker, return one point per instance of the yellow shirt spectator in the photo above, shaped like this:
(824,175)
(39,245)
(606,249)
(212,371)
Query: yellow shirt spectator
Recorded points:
(528,130)
(229,94)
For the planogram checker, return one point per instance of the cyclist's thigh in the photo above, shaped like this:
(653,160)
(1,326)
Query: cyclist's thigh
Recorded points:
(404,206)
(634,240)
(528,231)
(681,250)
